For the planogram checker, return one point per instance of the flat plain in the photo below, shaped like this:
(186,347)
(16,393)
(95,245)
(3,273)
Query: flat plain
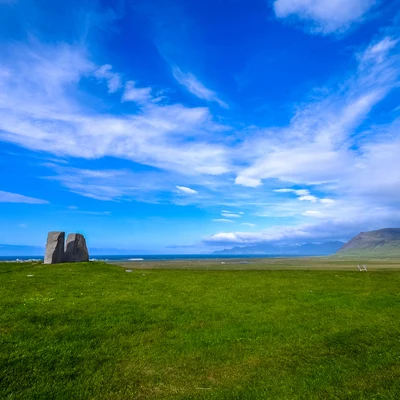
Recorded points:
(312,328)
(291,263)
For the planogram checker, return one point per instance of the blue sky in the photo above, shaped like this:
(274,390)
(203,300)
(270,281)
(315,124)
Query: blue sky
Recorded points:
(173,126)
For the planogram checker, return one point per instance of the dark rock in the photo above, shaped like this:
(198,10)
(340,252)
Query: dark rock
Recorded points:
(54,248)
(76,250)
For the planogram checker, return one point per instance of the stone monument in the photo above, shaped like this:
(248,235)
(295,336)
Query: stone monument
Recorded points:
(54,248)
(76,250)
(57,252)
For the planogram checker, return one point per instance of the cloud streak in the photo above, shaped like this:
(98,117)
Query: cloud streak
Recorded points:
(195,87)
(7,197)
(36,101)
(230,215)
(318,147)
(303,194)
(186,190)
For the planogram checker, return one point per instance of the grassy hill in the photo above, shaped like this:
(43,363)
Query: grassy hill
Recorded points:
(94,331)
(379,243)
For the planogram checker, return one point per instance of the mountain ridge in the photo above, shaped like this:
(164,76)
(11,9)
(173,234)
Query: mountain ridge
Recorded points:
(306,249)
(380,242)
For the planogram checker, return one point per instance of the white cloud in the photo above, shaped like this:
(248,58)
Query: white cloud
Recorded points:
(230,215)
(133,93)
(186,190)
(222,220)
(151,186)
(375,177)
(317,147)
(114,81)
(343,227)
(113,184)
(331,147)
(41,109)
(303,194)
(232,212)
(313,213)
(246,180)
(271,235)
(311,198)
(7,197)
(327,202)
(377,51)
(194,86)
(249,224)
(284,190)
(324,16)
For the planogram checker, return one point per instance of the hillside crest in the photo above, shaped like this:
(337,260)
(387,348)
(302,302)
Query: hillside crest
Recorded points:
(381,242)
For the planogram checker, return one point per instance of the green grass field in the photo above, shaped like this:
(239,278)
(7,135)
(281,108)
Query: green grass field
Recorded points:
(94,331)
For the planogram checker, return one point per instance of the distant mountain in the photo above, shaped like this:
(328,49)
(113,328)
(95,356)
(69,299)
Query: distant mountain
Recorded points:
(380,243)
(305,249)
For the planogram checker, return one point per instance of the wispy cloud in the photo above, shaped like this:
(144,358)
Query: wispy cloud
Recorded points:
(324,17)
(136,94)
(317,146)
(222,220)
(93,212)
(327,202)
(112,184)
(313,213)
(324,149)
(311,198)
(195,87)
(341,227)
(114,81)
(186,190)
(230,215)
(7,197)
(41,93)
(303,194)
(249,224)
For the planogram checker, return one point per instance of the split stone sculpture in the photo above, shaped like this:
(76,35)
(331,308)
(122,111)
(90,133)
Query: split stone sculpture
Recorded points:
(74,251)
